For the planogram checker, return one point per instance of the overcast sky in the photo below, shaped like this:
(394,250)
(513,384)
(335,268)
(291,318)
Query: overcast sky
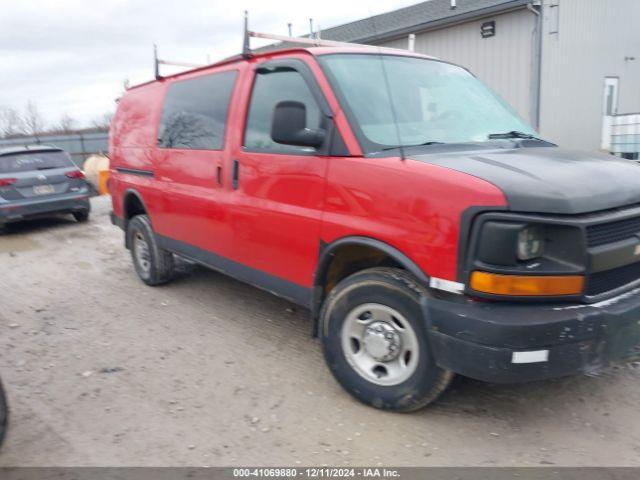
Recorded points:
(72,56)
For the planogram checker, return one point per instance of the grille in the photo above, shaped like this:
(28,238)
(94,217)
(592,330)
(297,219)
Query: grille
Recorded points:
(613,231)
(601,282)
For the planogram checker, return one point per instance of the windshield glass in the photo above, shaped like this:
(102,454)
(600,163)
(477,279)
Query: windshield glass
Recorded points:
(29,161)
(431,101)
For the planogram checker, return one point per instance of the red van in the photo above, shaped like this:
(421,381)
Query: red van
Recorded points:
(426,227)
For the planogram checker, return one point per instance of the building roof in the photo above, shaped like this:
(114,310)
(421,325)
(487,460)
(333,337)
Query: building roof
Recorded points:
(414,18)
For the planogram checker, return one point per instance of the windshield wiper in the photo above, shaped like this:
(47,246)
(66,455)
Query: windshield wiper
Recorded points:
(426,143)
(513,134)
(409,146)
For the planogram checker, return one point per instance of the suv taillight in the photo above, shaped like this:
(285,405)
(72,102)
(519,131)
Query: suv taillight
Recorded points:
(75,174)
(5,182)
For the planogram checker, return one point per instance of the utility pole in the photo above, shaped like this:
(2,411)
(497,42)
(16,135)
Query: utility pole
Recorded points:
(289,27)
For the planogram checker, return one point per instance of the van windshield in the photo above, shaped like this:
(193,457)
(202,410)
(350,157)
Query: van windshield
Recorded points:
(394,100)
(30,161)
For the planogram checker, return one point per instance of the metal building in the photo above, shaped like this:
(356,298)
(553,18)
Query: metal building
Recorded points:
(566,66)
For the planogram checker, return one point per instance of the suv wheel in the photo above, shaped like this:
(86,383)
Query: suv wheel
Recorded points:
(81,217)
(153,265)
(375,341)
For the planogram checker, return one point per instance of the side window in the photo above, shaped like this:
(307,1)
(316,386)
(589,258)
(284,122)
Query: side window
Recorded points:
(270,89)
(195,112)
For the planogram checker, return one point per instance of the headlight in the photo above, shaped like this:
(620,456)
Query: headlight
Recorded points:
(531,242)
(511,243)
(523,258)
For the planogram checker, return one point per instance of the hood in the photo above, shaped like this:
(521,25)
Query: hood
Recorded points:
(549,180)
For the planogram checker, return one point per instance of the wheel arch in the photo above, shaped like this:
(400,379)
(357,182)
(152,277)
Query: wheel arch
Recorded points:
(132,204)
(329,252)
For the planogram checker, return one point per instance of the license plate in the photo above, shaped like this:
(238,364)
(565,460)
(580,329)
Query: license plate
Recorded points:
(43,189)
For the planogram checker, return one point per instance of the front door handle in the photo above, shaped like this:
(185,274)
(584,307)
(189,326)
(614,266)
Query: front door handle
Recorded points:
(236,174)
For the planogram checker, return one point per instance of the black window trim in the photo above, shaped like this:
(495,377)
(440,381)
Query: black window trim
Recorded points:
(236,73)
(333,145)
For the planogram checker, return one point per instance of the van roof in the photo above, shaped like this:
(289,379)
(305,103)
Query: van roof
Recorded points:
(315,51)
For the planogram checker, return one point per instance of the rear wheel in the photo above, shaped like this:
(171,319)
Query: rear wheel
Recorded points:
(81,217)
(375,341)
(153,265)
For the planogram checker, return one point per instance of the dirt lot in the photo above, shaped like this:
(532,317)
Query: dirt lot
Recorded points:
(102,370)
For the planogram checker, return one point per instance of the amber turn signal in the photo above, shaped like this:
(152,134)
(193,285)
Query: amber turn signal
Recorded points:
(525,285)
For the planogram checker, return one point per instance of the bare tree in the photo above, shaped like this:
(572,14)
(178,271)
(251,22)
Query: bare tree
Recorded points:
(66,124)
(10,122)
(33,121)
(103,121)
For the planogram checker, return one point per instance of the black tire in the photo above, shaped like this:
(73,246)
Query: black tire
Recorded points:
(4,415)
(158,267)
(81,217)
(395,289)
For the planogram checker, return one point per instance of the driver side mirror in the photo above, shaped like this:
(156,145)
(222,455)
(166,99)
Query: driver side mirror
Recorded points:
(289,126)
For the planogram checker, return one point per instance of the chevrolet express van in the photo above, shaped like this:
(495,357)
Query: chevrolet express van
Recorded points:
(427,228)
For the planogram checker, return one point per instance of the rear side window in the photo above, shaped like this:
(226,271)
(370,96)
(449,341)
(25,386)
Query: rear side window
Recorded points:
(31,161)
(195,112)
(268,90)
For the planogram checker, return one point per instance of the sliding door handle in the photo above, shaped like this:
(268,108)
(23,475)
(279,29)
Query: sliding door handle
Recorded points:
(236,174)
(219,175)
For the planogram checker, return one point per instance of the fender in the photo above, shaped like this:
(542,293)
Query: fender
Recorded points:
(126,198)
(326,255)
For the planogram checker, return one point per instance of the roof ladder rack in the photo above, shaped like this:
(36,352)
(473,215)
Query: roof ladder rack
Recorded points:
(157,62)
(316,42)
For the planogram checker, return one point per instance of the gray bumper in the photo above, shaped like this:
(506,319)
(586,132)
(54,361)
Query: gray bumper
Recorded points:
(31,208)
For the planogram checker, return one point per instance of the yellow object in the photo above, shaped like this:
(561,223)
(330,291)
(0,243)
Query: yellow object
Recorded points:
(103,178)
(526,285)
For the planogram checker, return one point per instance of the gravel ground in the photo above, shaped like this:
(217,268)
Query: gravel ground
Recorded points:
(103,370)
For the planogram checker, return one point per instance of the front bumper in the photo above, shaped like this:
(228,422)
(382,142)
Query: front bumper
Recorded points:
(498,342)
(33,208)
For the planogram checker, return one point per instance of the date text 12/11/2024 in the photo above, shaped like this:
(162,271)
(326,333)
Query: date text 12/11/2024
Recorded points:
(316,472)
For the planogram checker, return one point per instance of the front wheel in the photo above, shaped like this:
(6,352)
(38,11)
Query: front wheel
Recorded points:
(153,265)
(375,341)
